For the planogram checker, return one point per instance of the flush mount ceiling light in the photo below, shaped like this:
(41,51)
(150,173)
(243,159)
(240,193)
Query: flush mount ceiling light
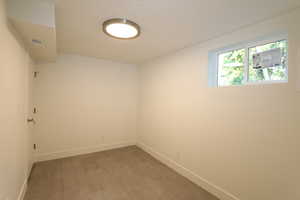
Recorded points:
(121,28)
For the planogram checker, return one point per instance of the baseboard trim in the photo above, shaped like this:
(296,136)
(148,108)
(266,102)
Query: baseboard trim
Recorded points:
(80,151)
(23,190)
(203,183)
(25,183)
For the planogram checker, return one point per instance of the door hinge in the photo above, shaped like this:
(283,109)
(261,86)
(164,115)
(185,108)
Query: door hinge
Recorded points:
(34,146)
(35,74)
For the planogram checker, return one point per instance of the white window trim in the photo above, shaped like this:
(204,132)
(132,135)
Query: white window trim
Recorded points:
(214,64)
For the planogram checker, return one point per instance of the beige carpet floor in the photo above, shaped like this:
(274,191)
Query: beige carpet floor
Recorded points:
(121,174)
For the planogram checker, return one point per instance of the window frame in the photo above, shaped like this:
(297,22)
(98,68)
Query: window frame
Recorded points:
(214,60)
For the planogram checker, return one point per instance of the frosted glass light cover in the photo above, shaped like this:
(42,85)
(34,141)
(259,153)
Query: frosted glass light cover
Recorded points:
(121,28)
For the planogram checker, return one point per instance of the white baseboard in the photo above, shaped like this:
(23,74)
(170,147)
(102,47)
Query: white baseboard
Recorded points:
(25,184)
(211,188)
(80,151)
(23,190)
(68,153)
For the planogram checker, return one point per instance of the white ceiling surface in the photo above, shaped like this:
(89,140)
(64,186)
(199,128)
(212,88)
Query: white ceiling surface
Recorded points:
(35,19)
(45,52)
(40,12)
(167,25)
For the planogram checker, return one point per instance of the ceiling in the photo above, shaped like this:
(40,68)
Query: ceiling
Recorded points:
(166,25)
(35,20)
(44,52)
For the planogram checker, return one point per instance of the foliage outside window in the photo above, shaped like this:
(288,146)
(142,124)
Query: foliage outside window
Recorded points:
(235,67)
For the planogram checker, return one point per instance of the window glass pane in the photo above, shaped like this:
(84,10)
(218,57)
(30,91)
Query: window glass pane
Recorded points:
(274,73)
(231,68)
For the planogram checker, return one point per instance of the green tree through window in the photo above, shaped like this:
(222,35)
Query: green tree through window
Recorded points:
(232,65)
(231,68)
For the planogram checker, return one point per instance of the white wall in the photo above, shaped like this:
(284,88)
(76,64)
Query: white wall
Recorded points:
(84,105)
(15,94)
(298,67)
(244,139)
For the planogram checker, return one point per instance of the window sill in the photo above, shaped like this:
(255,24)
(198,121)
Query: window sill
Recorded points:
(255,83)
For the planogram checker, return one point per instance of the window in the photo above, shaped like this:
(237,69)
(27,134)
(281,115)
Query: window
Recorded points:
(231,67)
(257,62)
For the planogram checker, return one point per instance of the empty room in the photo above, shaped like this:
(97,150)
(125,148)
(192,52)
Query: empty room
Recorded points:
(149,100)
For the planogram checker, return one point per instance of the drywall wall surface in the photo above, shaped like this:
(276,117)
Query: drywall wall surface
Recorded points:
(241,140)
(298,63)
(84,104)
(15,94)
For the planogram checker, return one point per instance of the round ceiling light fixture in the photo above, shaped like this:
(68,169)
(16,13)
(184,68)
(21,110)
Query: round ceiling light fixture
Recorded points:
(121,28)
